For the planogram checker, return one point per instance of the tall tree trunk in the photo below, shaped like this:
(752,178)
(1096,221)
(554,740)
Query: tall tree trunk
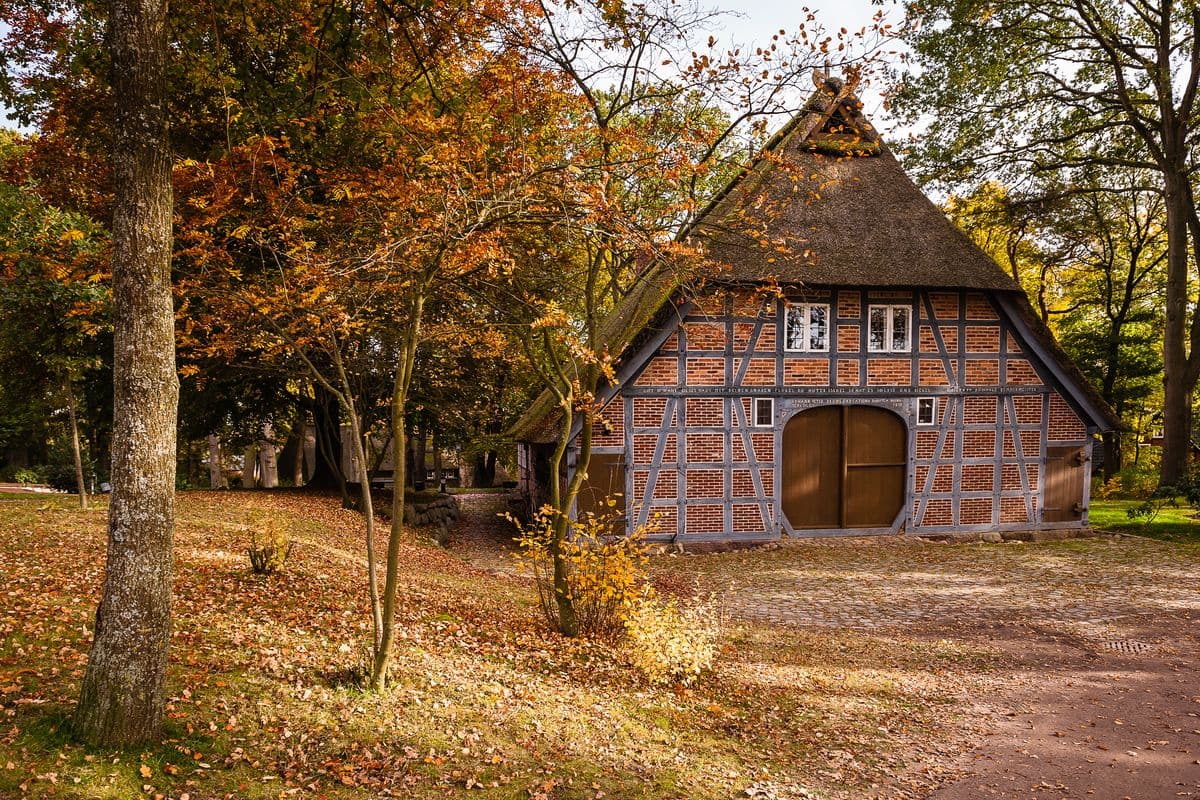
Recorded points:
(400,388)
(73,416)
(327,470)
(216,464)
(122,696)
(268,465)
(1177,387)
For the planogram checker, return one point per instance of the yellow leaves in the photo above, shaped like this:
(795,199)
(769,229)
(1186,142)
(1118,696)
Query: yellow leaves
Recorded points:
(240,232)
(188,370)
(145,771)
(72,235)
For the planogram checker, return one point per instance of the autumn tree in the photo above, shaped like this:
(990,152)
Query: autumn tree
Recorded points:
(123,694)
(665,116)
(53,311)
(1018,87)
(1091,256)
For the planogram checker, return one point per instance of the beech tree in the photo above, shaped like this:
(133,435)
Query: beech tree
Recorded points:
(1019,87)
(121,700)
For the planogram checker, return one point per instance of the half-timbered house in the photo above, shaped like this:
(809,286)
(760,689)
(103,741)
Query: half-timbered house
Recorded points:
(850,363)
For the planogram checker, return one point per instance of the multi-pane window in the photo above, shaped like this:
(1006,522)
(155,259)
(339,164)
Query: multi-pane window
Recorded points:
(764,412)
(890,329)
(926,410)
(807,327)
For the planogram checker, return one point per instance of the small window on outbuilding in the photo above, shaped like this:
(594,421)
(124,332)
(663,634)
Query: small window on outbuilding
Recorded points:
(890,329)
(807,327)
(764,412)
(926,410)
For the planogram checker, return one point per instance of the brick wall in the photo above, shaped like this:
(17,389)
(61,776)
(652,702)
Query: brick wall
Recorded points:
(991,443)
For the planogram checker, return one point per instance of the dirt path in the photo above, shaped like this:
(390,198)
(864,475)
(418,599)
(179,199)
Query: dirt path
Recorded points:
(1085,724)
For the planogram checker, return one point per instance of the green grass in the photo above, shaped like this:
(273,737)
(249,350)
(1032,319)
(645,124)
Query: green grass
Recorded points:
(1172,523)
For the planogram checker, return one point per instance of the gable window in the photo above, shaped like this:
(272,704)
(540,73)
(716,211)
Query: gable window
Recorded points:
(807,327)
(926,410)
(764,412)
(890,329)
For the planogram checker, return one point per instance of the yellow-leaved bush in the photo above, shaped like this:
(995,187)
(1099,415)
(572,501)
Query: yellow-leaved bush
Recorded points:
(605,569)
(670,642)
(606,572)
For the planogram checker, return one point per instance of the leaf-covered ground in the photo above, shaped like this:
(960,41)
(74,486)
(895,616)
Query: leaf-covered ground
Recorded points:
(487,703)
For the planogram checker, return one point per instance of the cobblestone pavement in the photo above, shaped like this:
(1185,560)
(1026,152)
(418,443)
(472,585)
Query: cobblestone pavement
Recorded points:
(1089,585)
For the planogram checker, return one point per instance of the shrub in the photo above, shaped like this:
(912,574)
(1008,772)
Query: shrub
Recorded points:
(669,642)
(269,556)
(606,569)
(27,476)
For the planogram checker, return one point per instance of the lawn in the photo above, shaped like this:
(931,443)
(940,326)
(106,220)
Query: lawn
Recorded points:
(1177,523)
(487,703)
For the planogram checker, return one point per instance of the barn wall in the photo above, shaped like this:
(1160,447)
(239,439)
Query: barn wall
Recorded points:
(697,467)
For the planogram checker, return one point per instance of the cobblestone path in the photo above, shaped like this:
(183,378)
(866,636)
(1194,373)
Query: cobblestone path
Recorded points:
(888,583)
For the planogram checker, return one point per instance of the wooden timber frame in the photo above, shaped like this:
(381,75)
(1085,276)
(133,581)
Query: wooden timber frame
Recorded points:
(1022,445)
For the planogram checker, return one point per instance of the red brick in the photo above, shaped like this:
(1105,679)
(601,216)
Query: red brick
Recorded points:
(1064,424)
(761,371)
(847,373)
(806,372)
(889,372)
(661,371)
(978,307)
(748,519)
(984,372)
(849,305)
(983,339)
(932,372)
(848,339)
(705,447)
(1019,372)
(705,483)
(706,372)
(705,412)
(705,335)
(705,519)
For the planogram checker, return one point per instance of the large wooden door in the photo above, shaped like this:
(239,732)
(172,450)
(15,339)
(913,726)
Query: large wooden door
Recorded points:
(1065,473)
(844,467)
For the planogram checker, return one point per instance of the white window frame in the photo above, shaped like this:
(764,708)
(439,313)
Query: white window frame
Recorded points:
(754,422)
(933,410)
(887,328)
(806,310)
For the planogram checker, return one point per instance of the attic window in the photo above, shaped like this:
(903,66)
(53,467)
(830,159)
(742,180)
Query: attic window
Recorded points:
(890,329)
(807,327)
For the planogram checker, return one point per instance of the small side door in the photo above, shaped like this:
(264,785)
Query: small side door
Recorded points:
(1065,474)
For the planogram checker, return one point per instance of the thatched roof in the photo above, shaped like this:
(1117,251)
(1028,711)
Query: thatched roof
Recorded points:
(827,203)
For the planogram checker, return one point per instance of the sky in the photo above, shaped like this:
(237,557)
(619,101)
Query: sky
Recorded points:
(754,21)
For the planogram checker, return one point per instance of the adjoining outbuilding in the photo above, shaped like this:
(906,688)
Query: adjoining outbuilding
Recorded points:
(853,364)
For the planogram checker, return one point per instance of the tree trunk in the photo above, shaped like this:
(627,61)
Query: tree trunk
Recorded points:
(1177,388)
(122,697)
(216,464)
(484,470)
(268,465)
(327,469)
(249,467)
(1112,454)
(73,416)
(403,380)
